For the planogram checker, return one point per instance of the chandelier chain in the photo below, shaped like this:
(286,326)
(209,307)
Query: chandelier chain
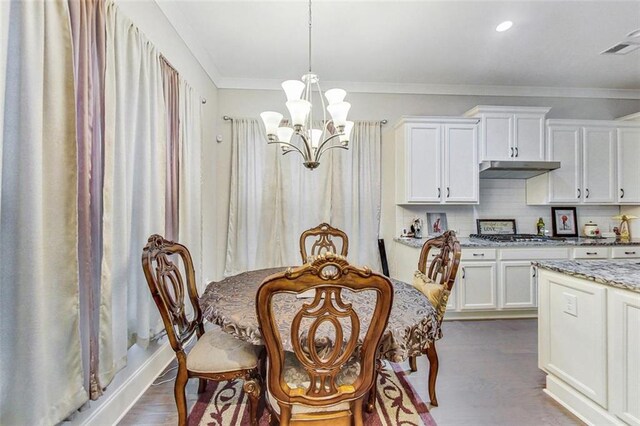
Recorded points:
(309,35)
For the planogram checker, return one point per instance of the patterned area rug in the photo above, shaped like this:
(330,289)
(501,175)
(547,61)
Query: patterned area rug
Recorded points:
(398,404)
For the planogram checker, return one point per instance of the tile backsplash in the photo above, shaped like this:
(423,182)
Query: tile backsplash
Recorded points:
(503,199)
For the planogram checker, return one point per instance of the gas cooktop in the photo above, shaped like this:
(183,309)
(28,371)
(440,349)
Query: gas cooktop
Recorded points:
(514,237)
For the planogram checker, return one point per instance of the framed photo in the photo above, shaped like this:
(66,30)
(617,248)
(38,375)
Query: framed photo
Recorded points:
(437,223)
(496,226)
(565,222)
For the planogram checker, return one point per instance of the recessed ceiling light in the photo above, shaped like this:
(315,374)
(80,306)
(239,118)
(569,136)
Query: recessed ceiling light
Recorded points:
(504,26)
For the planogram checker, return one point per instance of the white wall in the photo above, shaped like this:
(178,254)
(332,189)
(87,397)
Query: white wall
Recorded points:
(154,24)
(368,106)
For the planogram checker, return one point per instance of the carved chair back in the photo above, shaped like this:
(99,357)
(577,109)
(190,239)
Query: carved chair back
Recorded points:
(325,242)
(163,262)
(443,267)
(332,278)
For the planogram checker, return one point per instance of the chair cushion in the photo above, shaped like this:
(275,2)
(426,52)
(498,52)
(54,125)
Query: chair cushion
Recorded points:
(296,377)
(426,286)
(219,352)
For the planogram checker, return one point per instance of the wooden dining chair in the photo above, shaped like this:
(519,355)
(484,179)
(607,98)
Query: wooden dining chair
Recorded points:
(215,355)
(327,376)
(325,237)
(437,280)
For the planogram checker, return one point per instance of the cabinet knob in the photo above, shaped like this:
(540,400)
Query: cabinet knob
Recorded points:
(511,154)
(592,253)
(438,192)
(587,191)
(629,252)
(516,151)
(579,193)
(463,273)
(533,272)
(448,192)
(621,193)
(478,254)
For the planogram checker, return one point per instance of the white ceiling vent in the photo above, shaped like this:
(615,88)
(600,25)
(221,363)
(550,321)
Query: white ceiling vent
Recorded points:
(621,48)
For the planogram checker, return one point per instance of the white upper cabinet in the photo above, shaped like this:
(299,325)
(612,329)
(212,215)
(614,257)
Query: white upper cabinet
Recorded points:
(511,133)
(599,164)
(628,165)
(436,161)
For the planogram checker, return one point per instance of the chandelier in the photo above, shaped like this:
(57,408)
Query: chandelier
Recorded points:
(302,138)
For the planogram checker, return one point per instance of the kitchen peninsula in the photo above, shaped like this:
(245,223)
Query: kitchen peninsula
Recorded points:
(589,337)
(497,280)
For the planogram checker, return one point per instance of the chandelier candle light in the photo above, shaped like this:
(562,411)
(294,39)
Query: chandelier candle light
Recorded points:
(335,133)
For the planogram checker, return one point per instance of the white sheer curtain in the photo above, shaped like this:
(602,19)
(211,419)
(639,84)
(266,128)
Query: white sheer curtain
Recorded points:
(274,198)
(134,188)
(190,173)
(41,379)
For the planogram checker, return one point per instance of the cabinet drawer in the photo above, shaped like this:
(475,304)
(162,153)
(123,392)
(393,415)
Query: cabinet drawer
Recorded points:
(590,253)
(538,253)
(622,252)
(478,254)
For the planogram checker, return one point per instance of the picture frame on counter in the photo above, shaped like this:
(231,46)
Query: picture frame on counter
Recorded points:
(564,221)
(495,226)
(437,223)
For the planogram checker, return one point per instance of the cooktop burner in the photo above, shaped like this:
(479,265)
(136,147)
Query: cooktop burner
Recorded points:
(514,237)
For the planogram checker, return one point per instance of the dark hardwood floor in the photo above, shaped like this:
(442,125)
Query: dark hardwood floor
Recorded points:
(488,376)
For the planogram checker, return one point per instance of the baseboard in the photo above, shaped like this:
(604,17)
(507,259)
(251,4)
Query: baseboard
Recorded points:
(143,367)
(486,315)
(581,406)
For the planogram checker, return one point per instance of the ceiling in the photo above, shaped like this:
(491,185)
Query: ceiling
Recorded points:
(552,49)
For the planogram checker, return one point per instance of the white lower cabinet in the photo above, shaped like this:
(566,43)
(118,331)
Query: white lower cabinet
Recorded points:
(624,355)
(598,325)
(517,285)
(500,283)
(476,286)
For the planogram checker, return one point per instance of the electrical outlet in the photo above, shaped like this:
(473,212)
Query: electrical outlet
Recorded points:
(570,304)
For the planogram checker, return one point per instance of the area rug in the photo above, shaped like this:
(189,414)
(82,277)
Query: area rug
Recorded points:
(397,404)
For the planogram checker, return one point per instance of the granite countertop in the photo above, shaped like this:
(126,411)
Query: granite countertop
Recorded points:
(568,242)
(616,273)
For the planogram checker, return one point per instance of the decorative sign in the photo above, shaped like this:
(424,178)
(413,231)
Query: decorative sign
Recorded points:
(496,226)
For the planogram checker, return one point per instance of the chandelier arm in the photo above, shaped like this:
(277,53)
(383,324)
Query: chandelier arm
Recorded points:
(327,141)
(328,148)
(307,146)
(289,144)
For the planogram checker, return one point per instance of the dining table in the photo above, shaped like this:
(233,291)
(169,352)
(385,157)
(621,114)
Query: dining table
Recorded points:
(231,304)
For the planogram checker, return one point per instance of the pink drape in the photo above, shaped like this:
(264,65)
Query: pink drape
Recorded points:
(88,30)
(171,87)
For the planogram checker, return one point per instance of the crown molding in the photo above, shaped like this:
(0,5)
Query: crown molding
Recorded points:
(443,89)
(171,11)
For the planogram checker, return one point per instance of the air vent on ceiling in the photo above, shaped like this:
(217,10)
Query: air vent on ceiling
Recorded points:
(621,48)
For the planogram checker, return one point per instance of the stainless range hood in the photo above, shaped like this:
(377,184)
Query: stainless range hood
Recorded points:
(515,169)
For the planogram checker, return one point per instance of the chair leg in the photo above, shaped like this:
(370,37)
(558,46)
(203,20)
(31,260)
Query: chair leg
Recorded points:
(356,408)
(371,402)
(180,395)
(252,389)
(412,363)
(202,385)
(432,354)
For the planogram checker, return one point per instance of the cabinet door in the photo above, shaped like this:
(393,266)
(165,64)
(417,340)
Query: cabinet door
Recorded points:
(529,137)
(628,170)
(497,137)
(477,283)
(598,165)
(624,355)
(461,163)
(573,324)
(424,162)
(517,285)
(564,146)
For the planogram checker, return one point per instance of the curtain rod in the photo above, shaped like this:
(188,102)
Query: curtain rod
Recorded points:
(227,118)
